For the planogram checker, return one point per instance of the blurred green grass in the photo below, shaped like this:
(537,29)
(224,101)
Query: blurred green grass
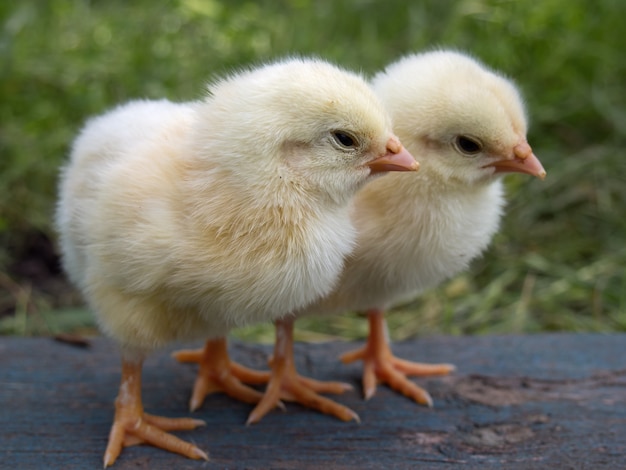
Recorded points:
(558,262)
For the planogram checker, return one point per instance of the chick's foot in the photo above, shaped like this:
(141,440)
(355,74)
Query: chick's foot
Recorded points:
(132,426)
(380,365)
(218,373)
(285,383)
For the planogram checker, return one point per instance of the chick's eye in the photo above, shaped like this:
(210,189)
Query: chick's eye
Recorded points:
(344,139)
(468,145)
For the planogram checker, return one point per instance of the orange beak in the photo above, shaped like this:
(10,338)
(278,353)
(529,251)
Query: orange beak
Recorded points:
(523,161)
(397,158)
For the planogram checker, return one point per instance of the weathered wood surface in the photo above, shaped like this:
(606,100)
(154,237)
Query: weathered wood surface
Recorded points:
(516,402)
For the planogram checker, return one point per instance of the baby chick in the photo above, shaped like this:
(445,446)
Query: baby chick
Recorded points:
(467,125)
(184,220)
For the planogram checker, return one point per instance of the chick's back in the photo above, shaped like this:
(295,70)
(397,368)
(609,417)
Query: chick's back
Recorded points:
(118,214)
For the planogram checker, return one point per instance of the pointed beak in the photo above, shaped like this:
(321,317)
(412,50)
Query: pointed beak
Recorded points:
(397,158)
(523,161)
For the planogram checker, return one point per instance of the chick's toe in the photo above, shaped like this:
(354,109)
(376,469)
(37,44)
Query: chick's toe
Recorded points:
(285,383)
(132,426)
(218,373)
(380,365)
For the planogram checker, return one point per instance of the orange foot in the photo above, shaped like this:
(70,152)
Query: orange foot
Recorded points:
(132,426)
(219,374)
(285,383)
(381,365)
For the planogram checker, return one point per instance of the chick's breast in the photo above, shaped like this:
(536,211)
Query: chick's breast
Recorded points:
(435,237)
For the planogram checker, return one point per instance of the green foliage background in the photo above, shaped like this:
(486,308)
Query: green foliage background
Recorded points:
(558,263)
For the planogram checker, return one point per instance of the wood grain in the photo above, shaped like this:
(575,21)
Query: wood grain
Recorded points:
(516,402)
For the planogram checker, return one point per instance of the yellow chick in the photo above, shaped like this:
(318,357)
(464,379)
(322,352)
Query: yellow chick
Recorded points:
(184,220)
(467,125)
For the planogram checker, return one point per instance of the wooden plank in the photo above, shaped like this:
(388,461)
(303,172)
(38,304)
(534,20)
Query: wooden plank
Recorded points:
(516,402)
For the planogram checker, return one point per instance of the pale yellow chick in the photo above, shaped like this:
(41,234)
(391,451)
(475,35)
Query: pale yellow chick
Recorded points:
(183,220)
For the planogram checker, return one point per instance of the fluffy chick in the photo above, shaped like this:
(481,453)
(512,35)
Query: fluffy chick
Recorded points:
(468,126)
(184,220)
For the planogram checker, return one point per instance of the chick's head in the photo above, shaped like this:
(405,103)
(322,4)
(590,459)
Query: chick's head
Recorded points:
(466,123)
(305,122)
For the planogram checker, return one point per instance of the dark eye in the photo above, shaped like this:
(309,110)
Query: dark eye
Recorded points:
(344,139)
(468,145)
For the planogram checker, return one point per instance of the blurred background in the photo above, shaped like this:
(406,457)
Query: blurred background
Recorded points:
(558,262)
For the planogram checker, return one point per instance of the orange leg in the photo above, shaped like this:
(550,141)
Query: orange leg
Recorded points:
(285,382)
(219,374)
(132,426)
(381,365)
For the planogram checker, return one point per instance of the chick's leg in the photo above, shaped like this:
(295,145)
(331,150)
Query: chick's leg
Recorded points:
(381,365)
(285,382)
(132,426)
(219,374)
